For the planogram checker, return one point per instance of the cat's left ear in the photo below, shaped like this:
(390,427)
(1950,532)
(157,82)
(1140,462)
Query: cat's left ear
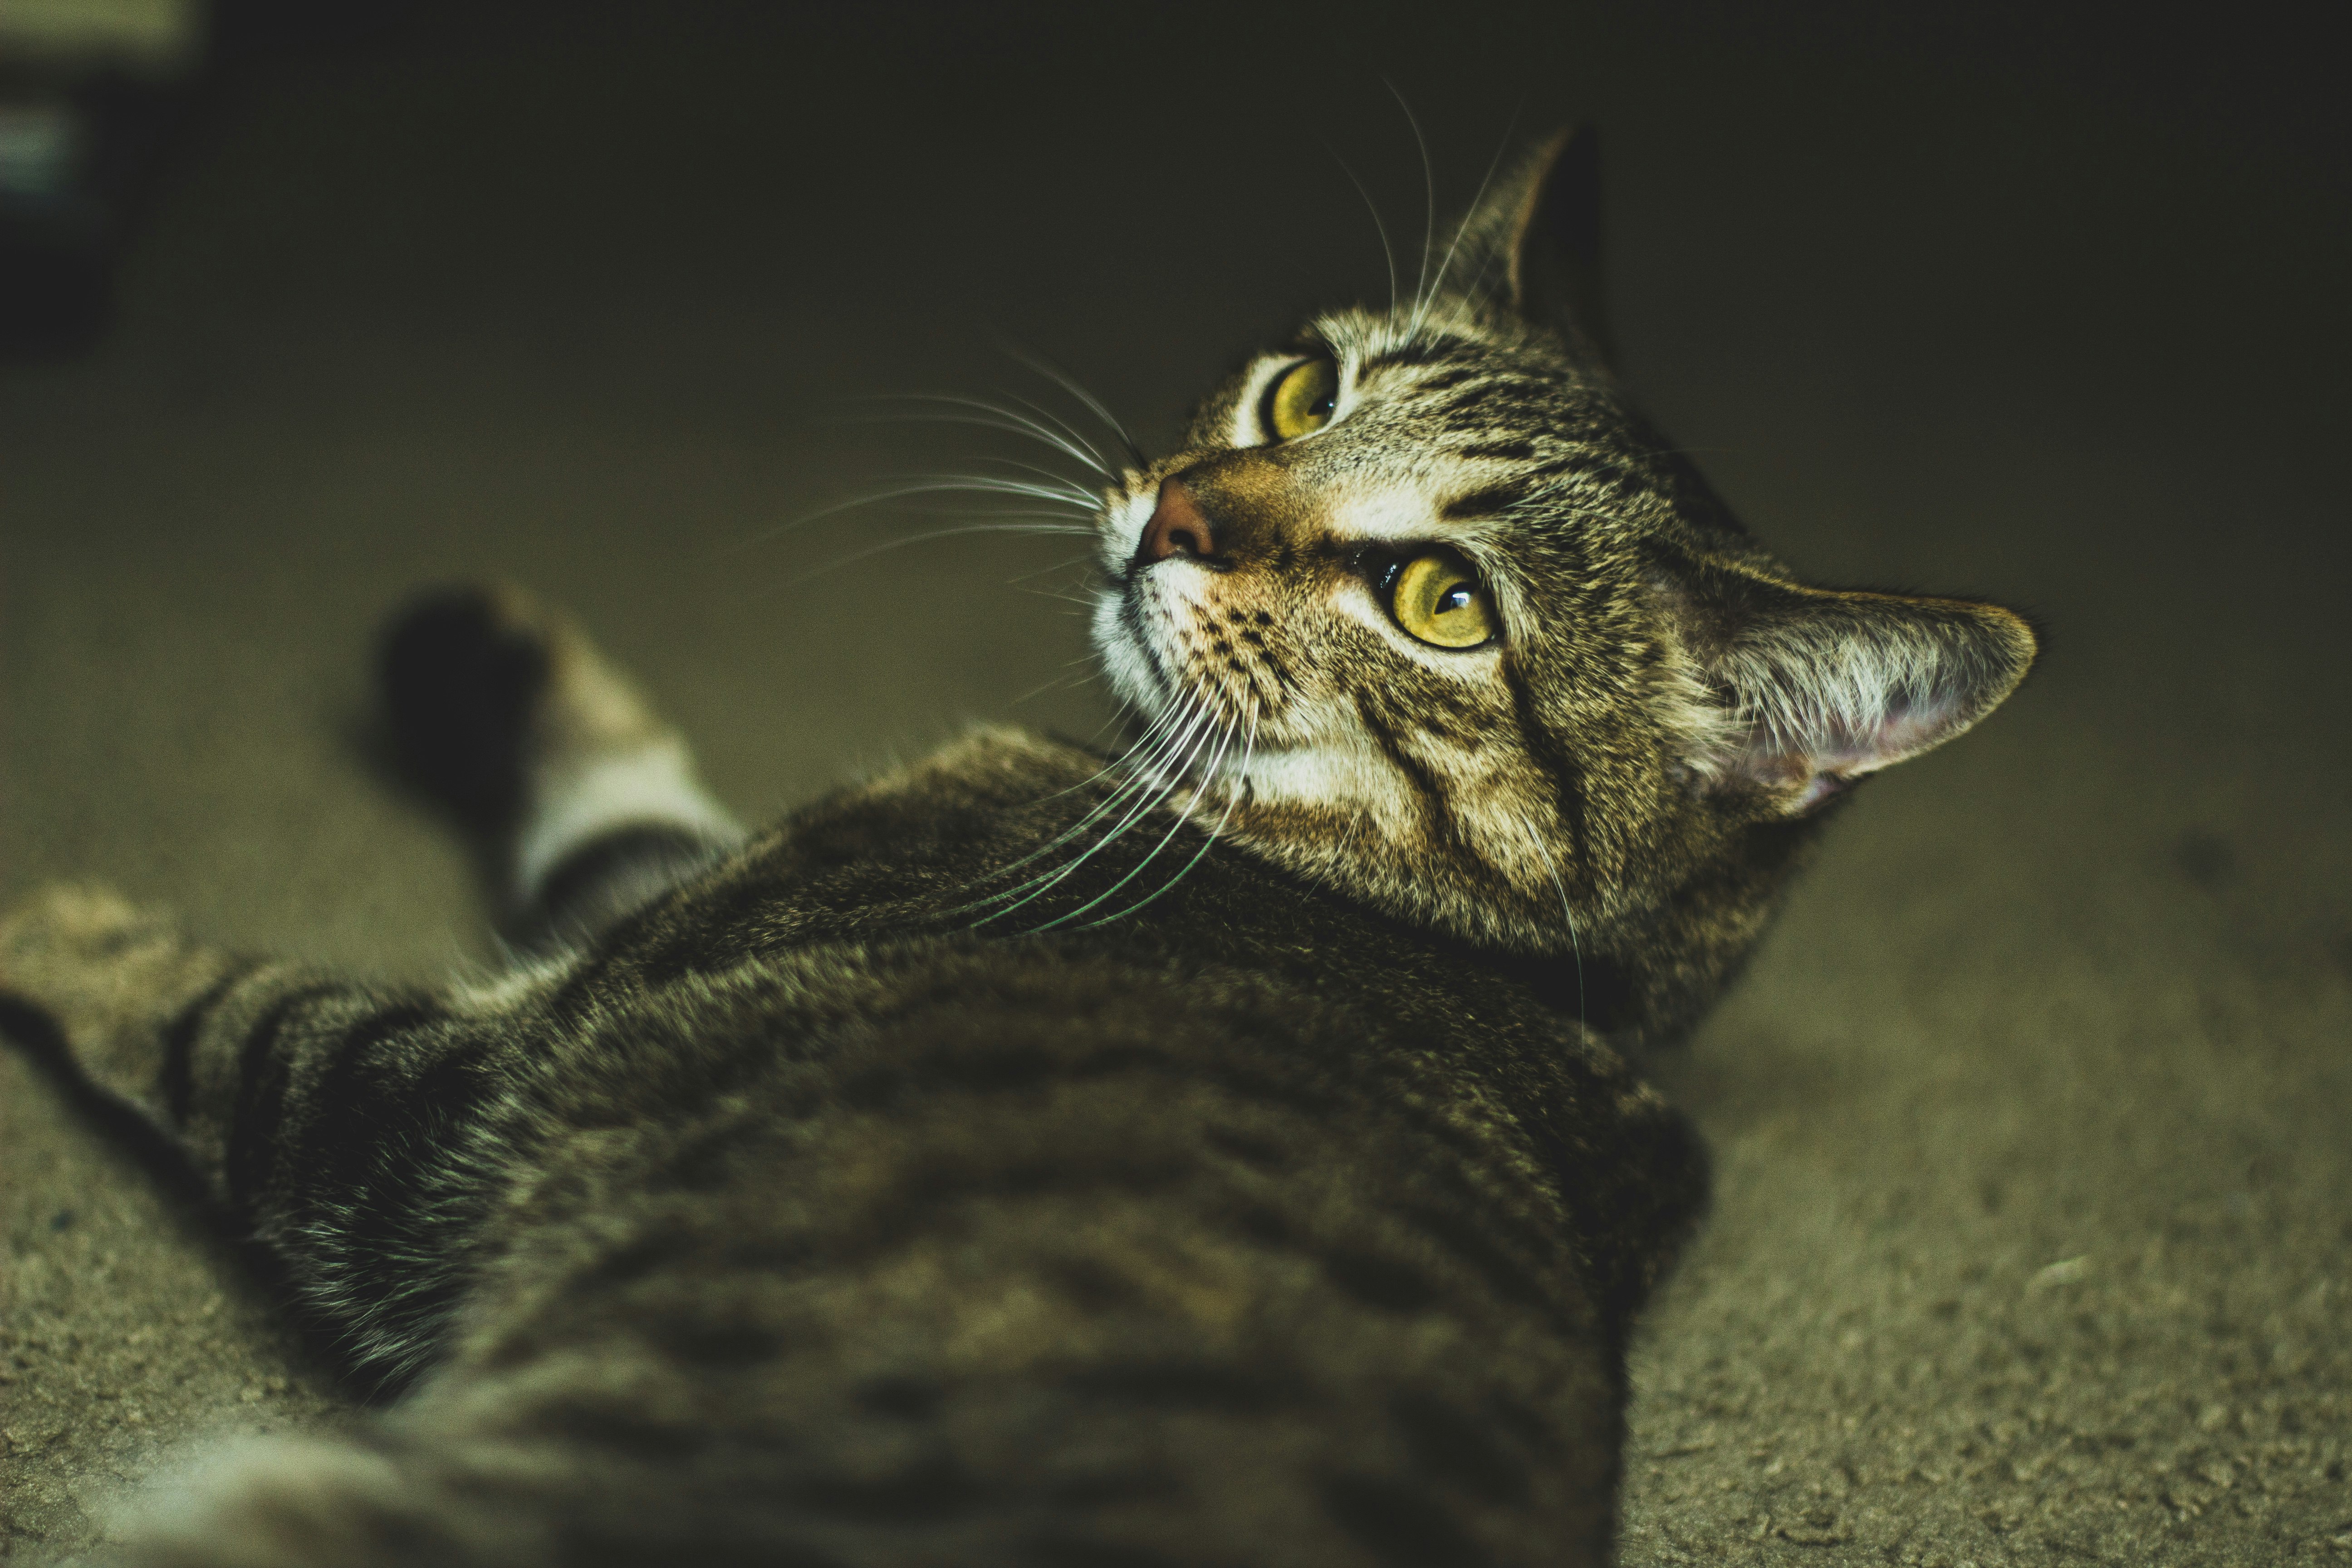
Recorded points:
(1810,689)
(1539,233)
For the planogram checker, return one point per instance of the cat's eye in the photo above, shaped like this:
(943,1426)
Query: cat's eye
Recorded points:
(1301,400)
(1439,599)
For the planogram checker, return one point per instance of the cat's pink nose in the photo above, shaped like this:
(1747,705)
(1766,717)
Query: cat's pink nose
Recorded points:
(1177,527)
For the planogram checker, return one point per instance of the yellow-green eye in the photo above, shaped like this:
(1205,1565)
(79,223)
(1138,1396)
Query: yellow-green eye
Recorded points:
(1301,401)
(1438,599)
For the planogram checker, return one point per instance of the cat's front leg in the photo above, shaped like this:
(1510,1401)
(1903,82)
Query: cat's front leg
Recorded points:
(346,1123)
(211,1047)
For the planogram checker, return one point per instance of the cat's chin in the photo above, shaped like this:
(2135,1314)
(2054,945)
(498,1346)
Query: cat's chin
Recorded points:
(1125,657)
(1298,775)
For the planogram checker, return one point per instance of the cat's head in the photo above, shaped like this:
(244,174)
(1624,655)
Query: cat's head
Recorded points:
(1435,618)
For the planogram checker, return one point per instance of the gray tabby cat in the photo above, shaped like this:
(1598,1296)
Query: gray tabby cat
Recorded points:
(1210,1155)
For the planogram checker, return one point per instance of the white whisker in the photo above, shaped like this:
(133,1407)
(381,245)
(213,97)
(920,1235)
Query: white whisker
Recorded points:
(1429,209)
(922,485)
(1069,384)
(1388,252)
(1224,743)
(1162,737)
(1232,799)
(1198,734)
(1057,683)
(1567,914)
(854,556)
(1437,285)
(1040,411)
(994,416)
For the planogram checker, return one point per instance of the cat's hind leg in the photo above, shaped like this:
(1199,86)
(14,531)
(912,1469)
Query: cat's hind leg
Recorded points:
(503,708)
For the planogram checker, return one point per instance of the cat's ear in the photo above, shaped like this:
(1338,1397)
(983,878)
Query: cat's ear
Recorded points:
(1807,689)
(1541,232)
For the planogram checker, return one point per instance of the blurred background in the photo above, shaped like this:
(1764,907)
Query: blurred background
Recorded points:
(2033,1195)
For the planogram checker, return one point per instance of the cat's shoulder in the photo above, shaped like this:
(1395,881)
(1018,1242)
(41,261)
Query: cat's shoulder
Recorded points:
(988,767)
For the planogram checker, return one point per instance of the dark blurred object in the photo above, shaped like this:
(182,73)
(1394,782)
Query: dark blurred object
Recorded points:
(88,90)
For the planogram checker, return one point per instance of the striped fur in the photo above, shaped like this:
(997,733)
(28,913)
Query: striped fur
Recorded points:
(1210,1155)
(768,1219)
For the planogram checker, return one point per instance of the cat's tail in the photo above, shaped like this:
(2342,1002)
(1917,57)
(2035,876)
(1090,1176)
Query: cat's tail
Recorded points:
(293,1502)
(366,1501)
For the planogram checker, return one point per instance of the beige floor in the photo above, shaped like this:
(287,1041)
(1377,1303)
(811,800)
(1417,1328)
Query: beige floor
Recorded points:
(2034,1195)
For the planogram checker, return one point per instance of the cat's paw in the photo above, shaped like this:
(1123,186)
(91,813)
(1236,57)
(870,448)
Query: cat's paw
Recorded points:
(54,938)
(461,671)
(93,965)
(486,687)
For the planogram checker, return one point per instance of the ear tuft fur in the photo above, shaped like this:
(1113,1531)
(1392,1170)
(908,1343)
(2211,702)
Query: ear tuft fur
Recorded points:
(1815,688)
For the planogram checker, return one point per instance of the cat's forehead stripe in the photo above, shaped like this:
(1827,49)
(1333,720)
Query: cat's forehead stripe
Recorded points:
(1425,352)
(1485,501)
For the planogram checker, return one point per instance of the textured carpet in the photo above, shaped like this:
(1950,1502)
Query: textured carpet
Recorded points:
(2033,1192)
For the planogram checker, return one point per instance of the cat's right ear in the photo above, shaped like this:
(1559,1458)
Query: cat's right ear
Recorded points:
(1543,228)
(1807,689)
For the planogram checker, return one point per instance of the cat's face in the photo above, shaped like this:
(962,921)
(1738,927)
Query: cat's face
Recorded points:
(1426,611)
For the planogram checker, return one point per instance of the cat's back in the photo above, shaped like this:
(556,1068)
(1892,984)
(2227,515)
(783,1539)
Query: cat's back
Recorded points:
(839,1194)
(909,937)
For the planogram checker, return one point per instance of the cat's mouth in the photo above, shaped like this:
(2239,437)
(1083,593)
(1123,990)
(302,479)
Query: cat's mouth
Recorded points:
(1165,689)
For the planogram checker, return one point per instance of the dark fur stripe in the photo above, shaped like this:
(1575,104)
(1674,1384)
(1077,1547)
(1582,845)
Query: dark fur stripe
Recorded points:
(1450,1444)
(1401,1526)
(1484,503)
(370,1143)
(362,1109)
(262,1073)
(1549,754)
(1439,810)
(1425,349)
(1190,1384)
(708,946)
(1462,1235)
(179,1081)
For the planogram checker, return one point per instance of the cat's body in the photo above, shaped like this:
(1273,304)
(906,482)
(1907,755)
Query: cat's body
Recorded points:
(1203,1156)
(1203,1231)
